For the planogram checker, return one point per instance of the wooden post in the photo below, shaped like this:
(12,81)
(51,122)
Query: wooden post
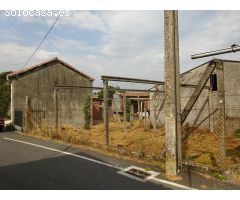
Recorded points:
(106,111)
(55,103)
(172,92)
(145,118)
(125,111)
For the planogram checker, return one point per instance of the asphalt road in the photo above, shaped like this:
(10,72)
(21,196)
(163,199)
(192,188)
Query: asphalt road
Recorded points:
(24,166)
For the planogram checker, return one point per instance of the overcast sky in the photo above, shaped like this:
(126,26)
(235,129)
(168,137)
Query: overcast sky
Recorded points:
(120,43)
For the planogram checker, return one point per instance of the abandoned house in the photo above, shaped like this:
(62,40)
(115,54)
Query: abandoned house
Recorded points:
(217,102)
(138,100)
(37,82)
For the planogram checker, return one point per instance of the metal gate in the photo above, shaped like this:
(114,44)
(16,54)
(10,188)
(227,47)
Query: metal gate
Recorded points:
(38,116)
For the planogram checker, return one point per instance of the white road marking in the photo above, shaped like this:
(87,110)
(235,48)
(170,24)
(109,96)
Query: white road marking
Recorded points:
(103,163)
(172,184)
(65,152)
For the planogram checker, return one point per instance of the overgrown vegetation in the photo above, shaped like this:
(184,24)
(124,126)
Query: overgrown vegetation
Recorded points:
(87,112)
(10,127)
(111,91)
(5,94)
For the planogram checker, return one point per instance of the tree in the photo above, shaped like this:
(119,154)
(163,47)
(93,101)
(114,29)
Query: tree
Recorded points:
(5,94)
(111,91)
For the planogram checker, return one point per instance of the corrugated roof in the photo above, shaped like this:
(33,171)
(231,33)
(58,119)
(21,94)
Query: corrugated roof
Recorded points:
(28,69)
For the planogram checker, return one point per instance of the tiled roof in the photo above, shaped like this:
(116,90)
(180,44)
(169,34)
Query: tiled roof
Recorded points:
(27,69)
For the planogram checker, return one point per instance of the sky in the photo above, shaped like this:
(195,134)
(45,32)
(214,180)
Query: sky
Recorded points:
(118,43)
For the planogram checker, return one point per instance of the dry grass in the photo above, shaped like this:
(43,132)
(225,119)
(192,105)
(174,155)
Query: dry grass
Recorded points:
(202,146)
(135,139)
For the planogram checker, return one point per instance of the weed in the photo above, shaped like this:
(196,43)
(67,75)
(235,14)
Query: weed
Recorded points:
(220,177)
(193,157)
(142,154)
(148,169)
(52,134)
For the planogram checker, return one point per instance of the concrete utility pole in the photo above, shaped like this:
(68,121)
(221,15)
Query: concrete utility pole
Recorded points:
(172,93)
(106,111)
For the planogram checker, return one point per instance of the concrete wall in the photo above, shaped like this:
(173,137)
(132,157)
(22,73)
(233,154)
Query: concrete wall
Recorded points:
(232,90)
(39,86)
(232,96)
(201,108)
(205,104)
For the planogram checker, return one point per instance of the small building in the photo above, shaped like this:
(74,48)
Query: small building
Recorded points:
(139,100)
(222,91)
(38,83)
(97,109)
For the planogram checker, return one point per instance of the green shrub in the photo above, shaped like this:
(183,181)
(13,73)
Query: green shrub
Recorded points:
(10,127)
(5,94)
(220,177)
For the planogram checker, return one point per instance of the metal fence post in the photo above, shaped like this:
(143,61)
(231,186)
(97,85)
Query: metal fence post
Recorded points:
(27,113)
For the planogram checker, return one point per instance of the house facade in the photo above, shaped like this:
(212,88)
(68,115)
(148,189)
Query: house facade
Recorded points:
(37,82)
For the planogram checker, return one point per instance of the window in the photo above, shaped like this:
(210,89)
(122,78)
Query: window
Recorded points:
(213,82)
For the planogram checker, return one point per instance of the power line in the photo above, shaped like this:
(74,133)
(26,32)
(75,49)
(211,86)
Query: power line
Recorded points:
(39,45)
